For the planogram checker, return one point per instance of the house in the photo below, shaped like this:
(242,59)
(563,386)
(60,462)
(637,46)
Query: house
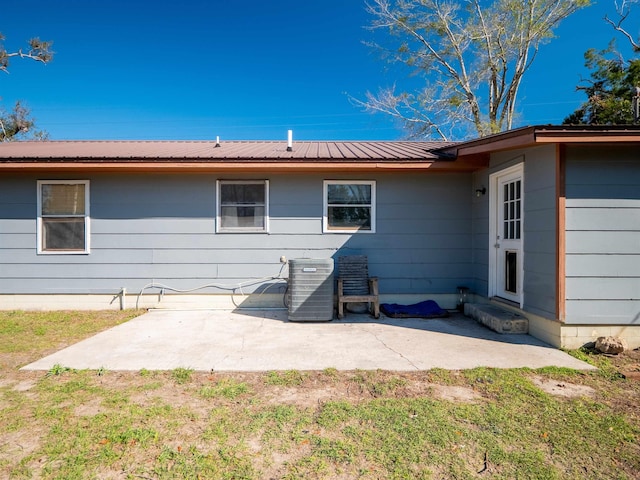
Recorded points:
(544,221)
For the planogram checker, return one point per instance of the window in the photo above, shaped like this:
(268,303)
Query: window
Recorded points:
(349,206)
(63,216)
(243,206)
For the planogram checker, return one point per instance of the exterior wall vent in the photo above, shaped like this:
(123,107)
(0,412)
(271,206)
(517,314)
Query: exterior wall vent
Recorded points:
(310,289)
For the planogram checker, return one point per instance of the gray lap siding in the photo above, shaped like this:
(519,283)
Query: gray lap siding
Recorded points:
(161,228)
(603,235)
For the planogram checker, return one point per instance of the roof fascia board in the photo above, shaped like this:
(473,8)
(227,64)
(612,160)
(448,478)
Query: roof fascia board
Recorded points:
(488,145)
(558,137)
(529,136)
(470,164)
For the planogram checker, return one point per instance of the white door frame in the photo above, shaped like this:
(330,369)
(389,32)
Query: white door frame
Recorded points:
(495,229)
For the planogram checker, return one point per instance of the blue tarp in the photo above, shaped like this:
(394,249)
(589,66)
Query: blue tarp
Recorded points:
(426,309)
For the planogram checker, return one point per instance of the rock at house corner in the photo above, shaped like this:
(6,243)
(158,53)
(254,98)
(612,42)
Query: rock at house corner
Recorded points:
(611,345)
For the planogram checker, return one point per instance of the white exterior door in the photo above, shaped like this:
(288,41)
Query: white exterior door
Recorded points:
(507,196)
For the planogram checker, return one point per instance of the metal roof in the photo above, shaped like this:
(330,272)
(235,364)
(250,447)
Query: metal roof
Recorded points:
(118,155)
(175,151)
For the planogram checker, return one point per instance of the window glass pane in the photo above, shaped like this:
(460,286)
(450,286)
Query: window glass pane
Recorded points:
(59,199)
(242,217)
(349,217)
(63,233)
(348,194)
(242,194)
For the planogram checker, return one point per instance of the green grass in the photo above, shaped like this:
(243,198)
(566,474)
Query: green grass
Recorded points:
(32,334)
(226,388)
(182,375)
(288,378)
(324,425)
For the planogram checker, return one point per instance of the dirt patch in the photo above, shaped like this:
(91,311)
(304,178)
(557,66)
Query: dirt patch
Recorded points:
(563,389)
(20,443)
(305,397)
(89,409)
(632,372)
(25,385)
(455,393)
(627,360)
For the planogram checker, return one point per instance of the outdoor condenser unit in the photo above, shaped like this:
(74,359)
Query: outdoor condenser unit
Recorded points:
(310,289)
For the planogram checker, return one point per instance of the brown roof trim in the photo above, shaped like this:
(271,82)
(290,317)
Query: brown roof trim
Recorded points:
(466,165)
(560,134)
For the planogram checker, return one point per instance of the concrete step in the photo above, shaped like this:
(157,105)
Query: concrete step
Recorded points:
(496,318)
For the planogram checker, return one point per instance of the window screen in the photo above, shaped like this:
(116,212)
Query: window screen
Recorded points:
(242,206)
(63,214)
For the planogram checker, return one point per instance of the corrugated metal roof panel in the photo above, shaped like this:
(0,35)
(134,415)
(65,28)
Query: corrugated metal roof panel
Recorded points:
(232,150)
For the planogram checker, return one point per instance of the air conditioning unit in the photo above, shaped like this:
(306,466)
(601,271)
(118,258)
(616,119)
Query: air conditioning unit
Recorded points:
(310,289)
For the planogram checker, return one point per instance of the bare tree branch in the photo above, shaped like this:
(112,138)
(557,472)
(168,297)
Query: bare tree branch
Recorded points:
(624,9)
(471,54)
(18,123)
(38,50)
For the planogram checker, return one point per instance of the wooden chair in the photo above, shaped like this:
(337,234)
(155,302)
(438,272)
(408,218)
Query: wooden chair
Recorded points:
(355,285)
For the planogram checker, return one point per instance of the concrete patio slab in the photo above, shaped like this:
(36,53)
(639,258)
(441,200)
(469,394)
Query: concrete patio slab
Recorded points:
(263,340)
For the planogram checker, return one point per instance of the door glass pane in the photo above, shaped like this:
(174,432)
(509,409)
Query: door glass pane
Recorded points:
(512,210)
(511,269)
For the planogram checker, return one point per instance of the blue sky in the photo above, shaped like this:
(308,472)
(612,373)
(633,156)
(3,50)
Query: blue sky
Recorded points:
(241,70)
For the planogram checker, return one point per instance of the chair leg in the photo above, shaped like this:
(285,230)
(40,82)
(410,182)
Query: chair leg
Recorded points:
(373,289)
(376,308)
(340,302)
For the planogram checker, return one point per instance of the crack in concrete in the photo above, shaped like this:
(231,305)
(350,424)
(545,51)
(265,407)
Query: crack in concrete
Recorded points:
(382,342)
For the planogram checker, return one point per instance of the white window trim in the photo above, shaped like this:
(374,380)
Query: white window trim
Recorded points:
(219,228)
(325,209)
(87,218)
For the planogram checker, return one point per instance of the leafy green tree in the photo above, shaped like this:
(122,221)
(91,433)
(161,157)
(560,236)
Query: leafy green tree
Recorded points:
(17,123)
(471,55)
(614,81)
(609,91)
